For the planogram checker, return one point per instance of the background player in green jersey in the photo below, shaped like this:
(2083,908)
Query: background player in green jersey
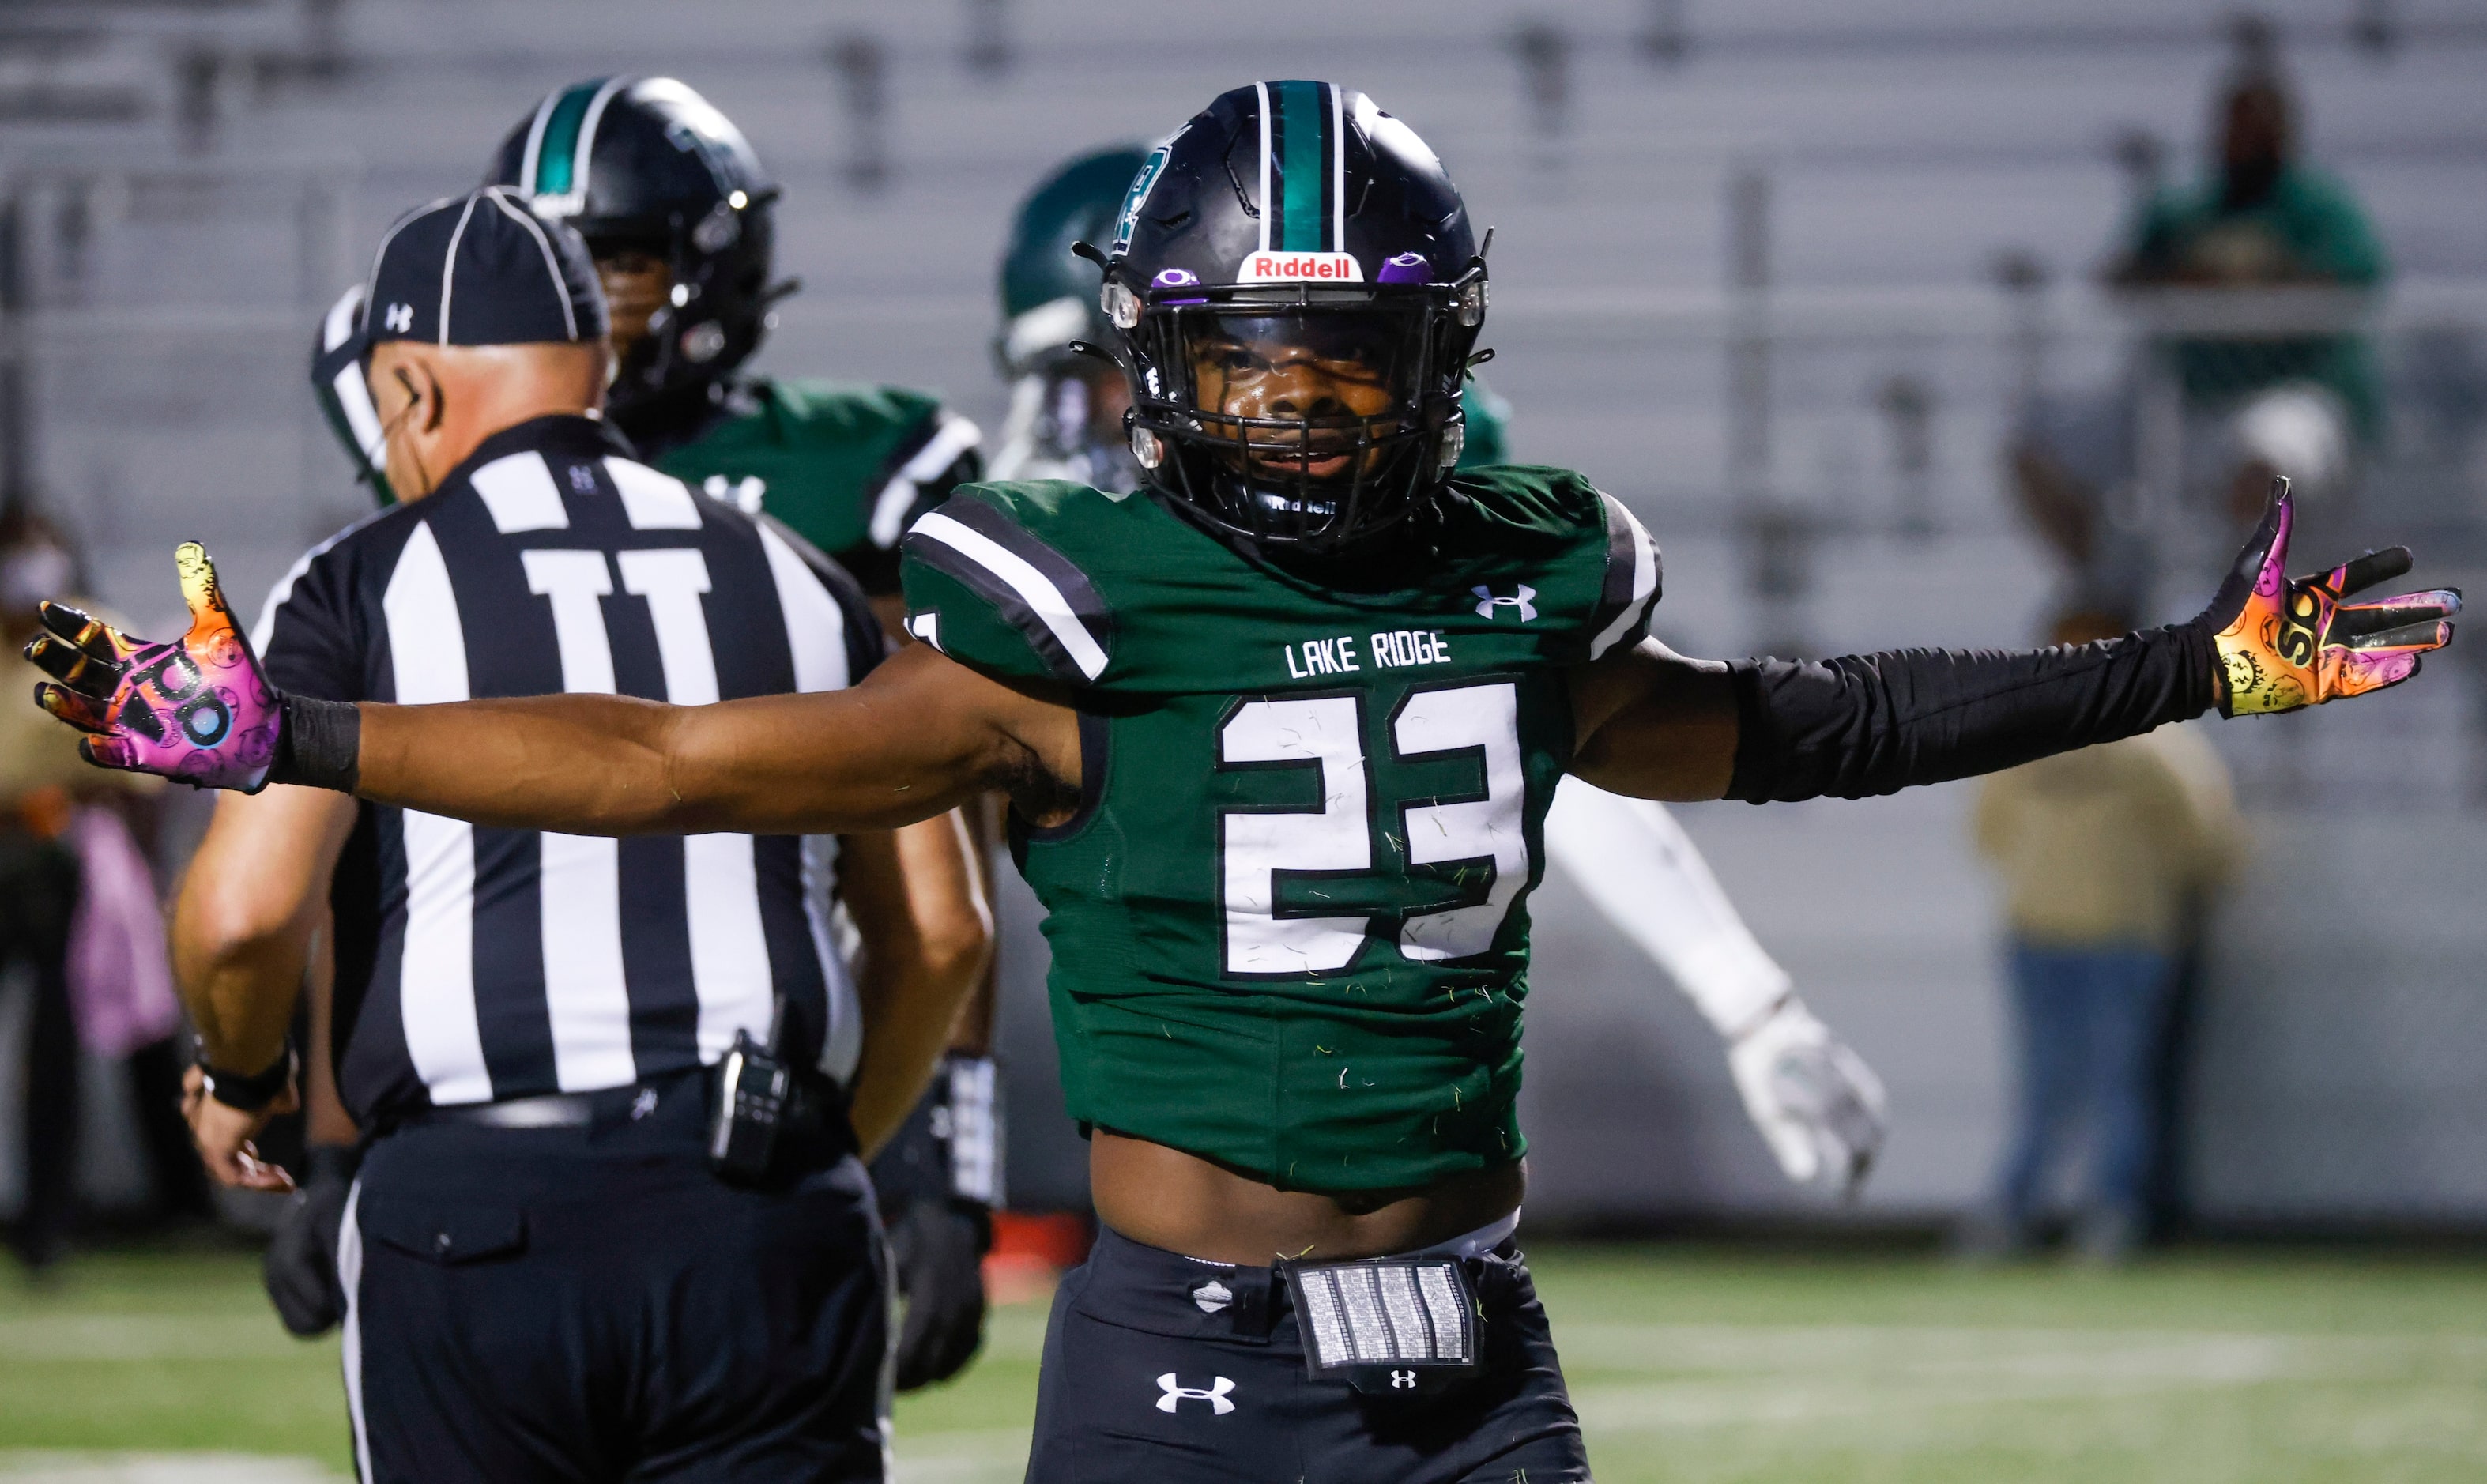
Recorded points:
(1819,1107)
(1280,732)
(674,205)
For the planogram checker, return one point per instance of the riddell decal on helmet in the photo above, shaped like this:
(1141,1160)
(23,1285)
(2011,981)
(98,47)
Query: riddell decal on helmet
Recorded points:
(1270,268)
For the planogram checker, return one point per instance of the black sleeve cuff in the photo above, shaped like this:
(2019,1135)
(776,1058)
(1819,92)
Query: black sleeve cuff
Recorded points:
(320,745)
(1863,725)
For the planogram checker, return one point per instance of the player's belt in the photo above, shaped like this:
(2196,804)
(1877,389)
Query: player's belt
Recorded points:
(1387,1325)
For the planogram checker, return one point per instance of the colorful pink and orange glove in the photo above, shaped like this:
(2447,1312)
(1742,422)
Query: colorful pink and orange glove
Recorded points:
(2285,645)
(197,711)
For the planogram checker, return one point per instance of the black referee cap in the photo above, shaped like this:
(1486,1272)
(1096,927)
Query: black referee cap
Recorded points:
(481,269)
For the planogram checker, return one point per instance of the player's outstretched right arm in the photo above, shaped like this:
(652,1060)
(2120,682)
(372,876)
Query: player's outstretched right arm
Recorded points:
(920,735)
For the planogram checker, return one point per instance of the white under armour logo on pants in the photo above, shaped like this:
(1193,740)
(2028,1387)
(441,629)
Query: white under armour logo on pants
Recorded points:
(1215,1394)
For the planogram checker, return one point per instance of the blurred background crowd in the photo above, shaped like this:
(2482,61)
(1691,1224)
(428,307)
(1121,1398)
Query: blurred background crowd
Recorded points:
(1937,322)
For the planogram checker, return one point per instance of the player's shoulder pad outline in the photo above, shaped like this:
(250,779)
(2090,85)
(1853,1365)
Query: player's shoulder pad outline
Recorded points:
(1041,593)
(1635,578)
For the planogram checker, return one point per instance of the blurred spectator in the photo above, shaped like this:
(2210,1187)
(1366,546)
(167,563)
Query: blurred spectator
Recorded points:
(2265,219)
(2105,855)
(78,909)
(2255,405)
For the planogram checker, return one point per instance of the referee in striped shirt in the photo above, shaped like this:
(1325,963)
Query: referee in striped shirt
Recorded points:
(547,1272)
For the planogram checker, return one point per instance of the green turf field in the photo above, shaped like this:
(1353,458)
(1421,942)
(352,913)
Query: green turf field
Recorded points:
(1689,1364)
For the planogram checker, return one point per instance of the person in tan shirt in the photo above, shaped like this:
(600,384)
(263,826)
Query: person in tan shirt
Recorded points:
(2105,856)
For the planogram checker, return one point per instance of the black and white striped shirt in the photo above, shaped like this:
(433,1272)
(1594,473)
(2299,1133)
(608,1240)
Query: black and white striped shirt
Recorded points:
(479,964)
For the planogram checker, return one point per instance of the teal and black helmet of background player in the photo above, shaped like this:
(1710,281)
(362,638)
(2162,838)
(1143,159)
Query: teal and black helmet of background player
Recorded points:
(1296,294)
(1065,408)
(645,164)
(1048,297)
(338,354)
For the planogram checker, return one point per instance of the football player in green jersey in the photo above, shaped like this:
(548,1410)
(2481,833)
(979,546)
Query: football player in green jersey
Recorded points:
(1280,731)
(1819,1107)
(681,218)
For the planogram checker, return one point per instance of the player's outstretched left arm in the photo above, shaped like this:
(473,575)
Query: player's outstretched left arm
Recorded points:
(1656,725)
(919,736)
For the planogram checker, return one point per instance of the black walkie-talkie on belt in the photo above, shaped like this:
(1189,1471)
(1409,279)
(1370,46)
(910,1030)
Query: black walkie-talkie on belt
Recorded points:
(754,1092)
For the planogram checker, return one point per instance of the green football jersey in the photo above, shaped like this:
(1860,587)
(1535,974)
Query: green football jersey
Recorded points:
(1289,920)
(845,467)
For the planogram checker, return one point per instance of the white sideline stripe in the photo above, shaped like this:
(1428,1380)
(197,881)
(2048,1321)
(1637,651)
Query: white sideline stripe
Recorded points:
(653,501)
(436,972)
(1644,581)
(1033,586)
(955,436)
(350,1282)
(519,493)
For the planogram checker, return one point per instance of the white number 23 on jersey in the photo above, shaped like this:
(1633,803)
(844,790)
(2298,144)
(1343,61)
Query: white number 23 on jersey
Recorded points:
(1324,733)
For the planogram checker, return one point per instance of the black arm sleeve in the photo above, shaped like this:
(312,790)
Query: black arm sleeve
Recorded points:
(1867,724)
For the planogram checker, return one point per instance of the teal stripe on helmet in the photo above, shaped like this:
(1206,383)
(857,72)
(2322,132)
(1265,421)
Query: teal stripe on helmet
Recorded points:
(557,157)
(1302,140)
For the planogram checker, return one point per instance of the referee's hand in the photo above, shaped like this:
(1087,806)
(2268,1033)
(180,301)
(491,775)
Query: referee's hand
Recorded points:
(196,710)
(224,1135)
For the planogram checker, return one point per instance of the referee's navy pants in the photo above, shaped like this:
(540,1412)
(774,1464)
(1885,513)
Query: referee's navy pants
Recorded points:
(591,1303)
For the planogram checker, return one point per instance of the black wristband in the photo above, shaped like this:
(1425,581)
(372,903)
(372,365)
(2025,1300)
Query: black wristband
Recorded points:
(249,1093)
(1867,724)
(320,745)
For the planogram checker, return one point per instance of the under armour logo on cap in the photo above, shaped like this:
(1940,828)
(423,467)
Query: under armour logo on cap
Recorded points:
(1215,1394)
(482,269)
(1525,603)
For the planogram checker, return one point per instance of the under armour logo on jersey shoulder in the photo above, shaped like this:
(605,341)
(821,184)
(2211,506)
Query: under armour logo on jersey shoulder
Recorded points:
(1403,1381)
(1215,1394)
(1525,603)
(399,318)
(1213,1296)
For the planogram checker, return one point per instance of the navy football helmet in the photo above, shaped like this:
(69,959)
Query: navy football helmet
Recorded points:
(647,164)
(1296,295)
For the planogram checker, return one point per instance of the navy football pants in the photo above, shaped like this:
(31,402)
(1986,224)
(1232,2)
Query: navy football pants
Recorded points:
(1152,1377)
